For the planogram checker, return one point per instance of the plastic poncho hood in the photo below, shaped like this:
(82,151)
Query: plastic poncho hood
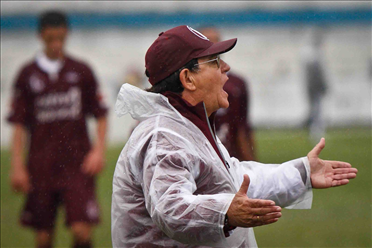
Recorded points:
(142,105)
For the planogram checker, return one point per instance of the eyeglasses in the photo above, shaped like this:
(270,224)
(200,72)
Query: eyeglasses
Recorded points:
(217,59)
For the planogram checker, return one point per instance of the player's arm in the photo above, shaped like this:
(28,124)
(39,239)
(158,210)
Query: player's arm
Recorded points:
(19,177)
(100,143)
(245,140)
(245,144)
(18,117)
(94,161)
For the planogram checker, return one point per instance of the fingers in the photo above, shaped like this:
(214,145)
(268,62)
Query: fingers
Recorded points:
(25,189)
(336,183)
(266,219)
(89,170)
(264,215)
(266,210)
(20,183)
(88,165)
(98,169)
(244,187)
(16,188)
(258,203)
(344,176)
(92,168)
(260,219)
(21,187)
(246,212)
(318,148)
(85,168)
(342,172)
(93,164)
(345,171)
(338,164)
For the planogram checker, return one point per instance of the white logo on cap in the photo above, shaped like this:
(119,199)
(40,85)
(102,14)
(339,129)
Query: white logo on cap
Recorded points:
(197,33)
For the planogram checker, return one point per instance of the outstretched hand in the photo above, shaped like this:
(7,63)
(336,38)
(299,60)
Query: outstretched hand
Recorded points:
(246,212)
(325,173)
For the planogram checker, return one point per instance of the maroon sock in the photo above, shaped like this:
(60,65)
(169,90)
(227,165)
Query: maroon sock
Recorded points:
(79,244)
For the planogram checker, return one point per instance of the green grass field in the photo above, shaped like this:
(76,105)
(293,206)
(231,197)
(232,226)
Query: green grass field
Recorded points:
(340,217)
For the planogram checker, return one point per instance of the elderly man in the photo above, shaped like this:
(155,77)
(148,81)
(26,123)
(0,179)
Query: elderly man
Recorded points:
(175,184)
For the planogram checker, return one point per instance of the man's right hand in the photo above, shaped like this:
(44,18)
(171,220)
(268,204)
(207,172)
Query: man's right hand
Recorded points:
(246,212)
(19,179)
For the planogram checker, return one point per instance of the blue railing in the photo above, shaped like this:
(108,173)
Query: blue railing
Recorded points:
(228,18)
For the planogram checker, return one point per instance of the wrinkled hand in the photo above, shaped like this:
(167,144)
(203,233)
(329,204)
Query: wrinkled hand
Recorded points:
(325,173)
(19,180)
(246,212)
(93,163)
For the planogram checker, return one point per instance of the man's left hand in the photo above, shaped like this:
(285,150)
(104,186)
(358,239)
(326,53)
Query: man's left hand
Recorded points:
(325,173)
(93,162)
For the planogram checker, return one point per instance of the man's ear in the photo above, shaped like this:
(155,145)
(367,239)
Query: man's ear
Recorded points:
(187,80)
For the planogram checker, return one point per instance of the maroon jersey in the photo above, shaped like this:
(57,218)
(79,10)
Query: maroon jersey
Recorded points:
(236,115)
(54,110)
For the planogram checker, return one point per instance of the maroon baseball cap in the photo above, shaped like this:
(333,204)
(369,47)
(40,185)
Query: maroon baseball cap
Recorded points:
(177,46)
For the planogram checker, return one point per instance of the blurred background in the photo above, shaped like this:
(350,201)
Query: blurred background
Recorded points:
(275,42)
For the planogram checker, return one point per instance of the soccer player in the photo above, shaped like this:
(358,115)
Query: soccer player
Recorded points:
(53,96)
(316,85)
(233,126)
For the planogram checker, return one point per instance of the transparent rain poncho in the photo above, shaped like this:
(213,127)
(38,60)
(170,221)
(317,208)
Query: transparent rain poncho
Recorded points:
(171,189)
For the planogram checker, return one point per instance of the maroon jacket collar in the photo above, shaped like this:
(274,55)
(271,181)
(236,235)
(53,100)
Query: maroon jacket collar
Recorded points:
(197,115)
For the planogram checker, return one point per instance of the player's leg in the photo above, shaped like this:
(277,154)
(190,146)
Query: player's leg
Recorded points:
(82,210)
(40,213)
(82,234)
(44,238)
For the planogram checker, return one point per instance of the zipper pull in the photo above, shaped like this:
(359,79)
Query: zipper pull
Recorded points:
(228,166)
